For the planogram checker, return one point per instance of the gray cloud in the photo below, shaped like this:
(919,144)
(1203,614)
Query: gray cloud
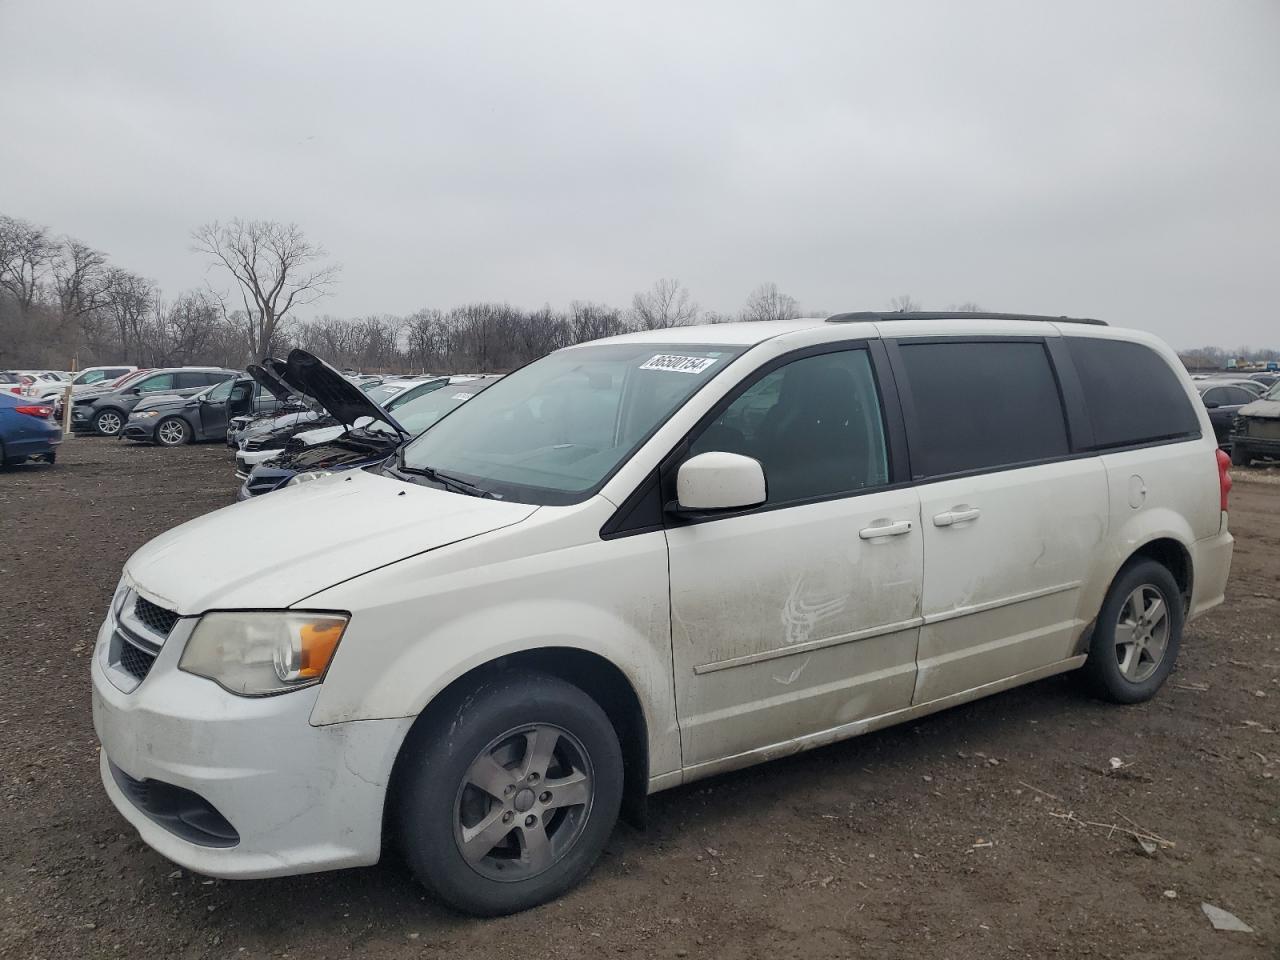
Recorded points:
(1114,160)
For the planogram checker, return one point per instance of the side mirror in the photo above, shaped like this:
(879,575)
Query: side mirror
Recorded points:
(1211,404)
(719,481)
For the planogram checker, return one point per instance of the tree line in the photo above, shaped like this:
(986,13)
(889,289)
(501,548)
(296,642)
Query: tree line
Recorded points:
(63,301)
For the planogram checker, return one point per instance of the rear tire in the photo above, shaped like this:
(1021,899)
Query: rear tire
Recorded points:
(529,834)
(173,432)
(1137,635)
(1240,458)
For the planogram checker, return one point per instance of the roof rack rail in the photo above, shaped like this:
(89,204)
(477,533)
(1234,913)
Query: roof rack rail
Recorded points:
(876,315)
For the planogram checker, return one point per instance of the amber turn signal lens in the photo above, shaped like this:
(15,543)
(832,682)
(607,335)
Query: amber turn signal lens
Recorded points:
(318,641)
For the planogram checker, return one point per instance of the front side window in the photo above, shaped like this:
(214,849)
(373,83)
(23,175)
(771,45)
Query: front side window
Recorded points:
(219,393)
(814,424)
(554,431)
(90,376)
(982,405)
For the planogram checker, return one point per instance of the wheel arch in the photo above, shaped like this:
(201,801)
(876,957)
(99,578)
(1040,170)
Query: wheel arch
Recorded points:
(1174,556)
(595,675)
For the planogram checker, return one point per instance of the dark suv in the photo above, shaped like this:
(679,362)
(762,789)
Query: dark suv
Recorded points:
(106,414)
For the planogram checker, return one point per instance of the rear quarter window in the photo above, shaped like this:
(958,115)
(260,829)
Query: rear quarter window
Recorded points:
(1133,396)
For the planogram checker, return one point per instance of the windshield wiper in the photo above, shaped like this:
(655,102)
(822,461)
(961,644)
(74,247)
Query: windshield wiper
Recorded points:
(449,482)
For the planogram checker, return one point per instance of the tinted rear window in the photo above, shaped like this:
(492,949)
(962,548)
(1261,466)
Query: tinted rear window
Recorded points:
(982,405)
(1133,396)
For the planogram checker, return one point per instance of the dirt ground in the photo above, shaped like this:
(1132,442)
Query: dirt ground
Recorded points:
(948,837)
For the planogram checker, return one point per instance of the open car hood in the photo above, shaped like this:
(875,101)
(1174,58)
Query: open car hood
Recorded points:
(270,374)
(343,400)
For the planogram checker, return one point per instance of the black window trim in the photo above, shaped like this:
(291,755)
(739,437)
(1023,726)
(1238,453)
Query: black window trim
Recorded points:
(1070,401)
(898,410)
(642,512)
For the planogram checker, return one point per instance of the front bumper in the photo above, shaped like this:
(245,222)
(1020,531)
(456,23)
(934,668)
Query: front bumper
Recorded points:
(139,430)
(299,798)
(1265,446)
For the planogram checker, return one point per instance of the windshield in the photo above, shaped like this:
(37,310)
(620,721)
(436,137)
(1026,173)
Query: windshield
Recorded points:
(1274,392)
(424,408)
(413,393)
(384,392)
(554,431)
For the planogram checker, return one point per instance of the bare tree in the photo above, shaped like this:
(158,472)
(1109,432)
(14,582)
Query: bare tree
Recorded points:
(967,307)
(767,302)
(79,279)
(665,304)
(904,304)
(276,268)
(128,301)
(26,251)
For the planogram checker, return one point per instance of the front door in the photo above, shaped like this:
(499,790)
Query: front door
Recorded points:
(802,615)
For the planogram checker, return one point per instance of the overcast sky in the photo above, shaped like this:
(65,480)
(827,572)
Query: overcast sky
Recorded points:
(1118,160)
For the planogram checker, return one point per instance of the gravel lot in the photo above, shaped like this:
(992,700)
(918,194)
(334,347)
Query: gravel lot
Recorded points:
(947,837)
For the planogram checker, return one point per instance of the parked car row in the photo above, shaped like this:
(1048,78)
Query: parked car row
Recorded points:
(343,426)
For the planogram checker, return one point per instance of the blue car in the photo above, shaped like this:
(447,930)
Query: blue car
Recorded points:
(27,430)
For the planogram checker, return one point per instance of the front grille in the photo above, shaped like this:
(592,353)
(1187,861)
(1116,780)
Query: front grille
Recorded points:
(263,443)
(156,618)
(134,660)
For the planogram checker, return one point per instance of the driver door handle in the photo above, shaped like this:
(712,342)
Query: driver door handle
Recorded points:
(959,515)
(885,529)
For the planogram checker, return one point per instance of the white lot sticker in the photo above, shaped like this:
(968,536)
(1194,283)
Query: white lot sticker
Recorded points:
(461,396)
(677,364)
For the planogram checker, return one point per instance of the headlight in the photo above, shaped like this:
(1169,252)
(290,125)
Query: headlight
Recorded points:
(143,414)
(309,475)
(257,653)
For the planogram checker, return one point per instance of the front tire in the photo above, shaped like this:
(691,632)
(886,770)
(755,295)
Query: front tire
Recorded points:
(1137,635)
(108,423)
(173,432)
(507,795)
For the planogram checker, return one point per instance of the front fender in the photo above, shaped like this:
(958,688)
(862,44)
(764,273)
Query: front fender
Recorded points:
(420,624)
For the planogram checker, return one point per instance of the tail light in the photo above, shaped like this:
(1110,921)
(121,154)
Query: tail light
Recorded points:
(1224,477)
(37,410)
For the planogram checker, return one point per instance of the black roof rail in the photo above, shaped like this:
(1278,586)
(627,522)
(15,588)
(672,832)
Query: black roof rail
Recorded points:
(876,315)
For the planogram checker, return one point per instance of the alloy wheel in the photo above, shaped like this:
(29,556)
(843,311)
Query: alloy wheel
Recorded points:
(1142,633)
(523,802)
(171,433)
(108,423)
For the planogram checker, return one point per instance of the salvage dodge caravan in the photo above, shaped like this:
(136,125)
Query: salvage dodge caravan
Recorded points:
(645,560)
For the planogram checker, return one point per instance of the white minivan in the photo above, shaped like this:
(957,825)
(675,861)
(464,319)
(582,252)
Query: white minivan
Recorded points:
(645,560)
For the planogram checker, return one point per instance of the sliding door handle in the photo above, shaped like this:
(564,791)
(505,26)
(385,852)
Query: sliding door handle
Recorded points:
(885,528)
(959,515)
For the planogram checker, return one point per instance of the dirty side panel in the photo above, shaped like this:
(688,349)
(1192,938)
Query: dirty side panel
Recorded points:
(786,622)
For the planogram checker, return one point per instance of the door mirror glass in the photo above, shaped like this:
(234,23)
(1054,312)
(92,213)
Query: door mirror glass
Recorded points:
(720,481)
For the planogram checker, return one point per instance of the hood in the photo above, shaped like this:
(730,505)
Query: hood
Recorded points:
(1261,408)
(163,400)
(273,552)
(273,384)
(346,402)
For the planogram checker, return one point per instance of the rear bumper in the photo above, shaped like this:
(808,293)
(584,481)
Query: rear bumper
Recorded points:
(1211,563)
(33,446)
